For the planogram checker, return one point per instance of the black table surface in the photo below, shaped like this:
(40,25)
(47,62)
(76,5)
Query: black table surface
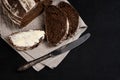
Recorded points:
(97,59)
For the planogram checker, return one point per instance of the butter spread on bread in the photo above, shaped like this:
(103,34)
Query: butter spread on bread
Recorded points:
(27,39)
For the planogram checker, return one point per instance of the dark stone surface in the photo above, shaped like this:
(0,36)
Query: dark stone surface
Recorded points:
(97,59)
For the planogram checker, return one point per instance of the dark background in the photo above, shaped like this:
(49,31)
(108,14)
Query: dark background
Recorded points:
(97,59)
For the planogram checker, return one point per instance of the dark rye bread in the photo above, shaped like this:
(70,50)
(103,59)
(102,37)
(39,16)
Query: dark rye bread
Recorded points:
(72,15)
(22,15)
(46,2)
(55,24)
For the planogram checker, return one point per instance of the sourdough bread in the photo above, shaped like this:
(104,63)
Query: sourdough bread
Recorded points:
(72,16)
(55,24)
(22,12)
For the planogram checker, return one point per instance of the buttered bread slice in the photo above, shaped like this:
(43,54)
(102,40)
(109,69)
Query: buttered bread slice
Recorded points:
(27,39)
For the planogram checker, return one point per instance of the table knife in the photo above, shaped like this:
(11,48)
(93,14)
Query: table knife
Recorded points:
(56,52)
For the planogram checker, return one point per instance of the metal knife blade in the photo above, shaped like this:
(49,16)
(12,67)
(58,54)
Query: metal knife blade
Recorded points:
(56,52)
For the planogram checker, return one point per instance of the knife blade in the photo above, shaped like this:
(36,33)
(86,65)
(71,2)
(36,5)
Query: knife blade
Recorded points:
(56,52)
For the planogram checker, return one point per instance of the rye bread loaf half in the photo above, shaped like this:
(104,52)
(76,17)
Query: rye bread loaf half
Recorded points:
(27,39)
(72,16)
(55,24)
(22,12)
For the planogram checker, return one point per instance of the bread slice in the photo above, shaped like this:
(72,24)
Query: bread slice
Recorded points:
(27,39)
(72,15)
(46,2)
(22,12)
(55,25)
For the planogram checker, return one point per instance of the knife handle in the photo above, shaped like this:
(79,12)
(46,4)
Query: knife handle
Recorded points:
(33,62)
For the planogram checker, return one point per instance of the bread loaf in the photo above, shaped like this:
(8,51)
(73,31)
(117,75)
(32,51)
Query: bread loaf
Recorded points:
(22,12)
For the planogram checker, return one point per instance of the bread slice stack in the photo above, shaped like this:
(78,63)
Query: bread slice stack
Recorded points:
(61,22)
